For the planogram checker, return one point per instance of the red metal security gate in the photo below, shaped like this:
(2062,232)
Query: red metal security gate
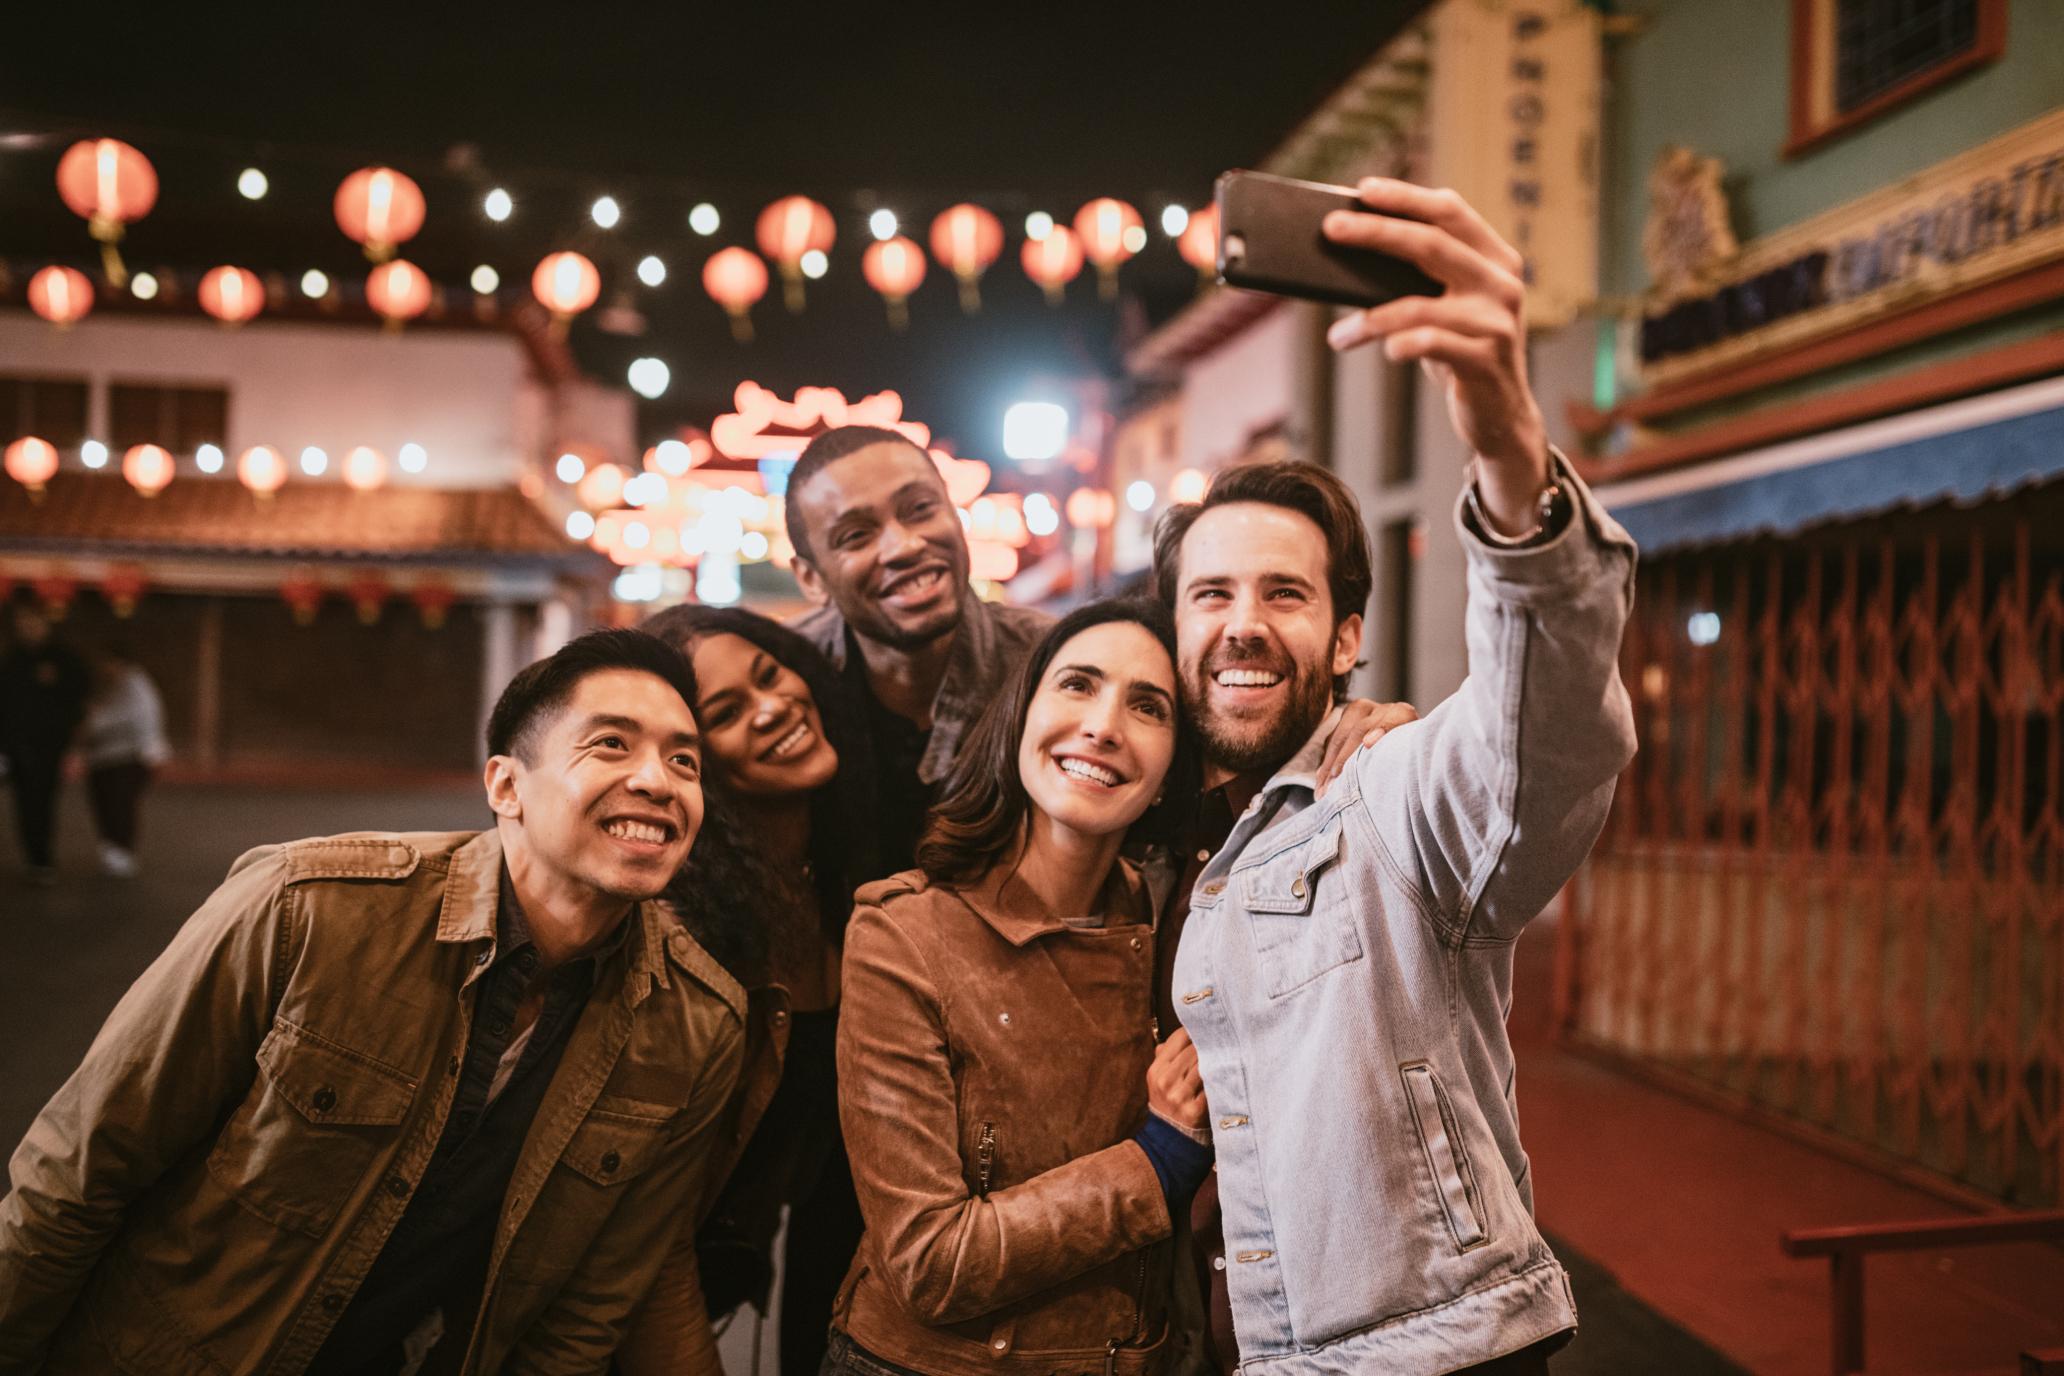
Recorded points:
(1833,878)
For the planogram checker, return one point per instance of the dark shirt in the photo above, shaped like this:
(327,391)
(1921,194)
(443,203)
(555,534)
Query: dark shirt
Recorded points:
(43,694)
(436,1257)
(1216,812)
(901,796)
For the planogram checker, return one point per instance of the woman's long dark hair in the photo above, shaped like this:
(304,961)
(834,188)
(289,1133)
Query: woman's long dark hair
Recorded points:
(983,804)
(728,882)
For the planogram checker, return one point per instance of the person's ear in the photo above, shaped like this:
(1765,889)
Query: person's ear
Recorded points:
(500,778)
(1347,644)
(810,581)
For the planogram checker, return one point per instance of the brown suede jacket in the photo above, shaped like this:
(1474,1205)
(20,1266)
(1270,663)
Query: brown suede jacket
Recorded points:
(992,1067)
(207,1191)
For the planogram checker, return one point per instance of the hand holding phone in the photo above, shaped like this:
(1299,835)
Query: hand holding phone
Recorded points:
(1271,238)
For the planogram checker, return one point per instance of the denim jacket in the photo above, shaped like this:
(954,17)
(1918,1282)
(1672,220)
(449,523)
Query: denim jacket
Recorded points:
(1346,972)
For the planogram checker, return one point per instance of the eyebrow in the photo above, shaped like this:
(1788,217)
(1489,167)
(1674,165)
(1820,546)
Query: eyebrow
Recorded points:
(1136,685)
(852,513)
(760,658)
(1277,580)
(636,727)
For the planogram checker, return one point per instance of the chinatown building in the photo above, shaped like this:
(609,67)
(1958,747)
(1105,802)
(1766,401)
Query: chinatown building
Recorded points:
(347,534)
(1828,400)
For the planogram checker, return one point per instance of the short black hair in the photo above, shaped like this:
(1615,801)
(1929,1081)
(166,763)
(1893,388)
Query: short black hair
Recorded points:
(831,445)
(1313,492)
(539,691)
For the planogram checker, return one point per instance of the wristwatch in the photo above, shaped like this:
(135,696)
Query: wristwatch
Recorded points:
(1551,512)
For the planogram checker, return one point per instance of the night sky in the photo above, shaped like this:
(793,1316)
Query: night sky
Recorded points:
(1017,107)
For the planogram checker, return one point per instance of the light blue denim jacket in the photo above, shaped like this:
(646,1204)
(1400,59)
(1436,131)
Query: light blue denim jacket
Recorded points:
(1346,972)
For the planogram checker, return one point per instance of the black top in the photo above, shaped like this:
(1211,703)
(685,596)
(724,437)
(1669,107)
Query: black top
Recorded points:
(43,693)
(902,797)
(436,1257)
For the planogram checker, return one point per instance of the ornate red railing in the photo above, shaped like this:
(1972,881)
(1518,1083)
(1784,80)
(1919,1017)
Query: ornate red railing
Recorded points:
(1833,878)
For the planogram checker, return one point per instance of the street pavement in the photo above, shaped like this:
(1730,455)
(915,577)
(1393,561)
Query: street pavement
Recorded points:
(71,951)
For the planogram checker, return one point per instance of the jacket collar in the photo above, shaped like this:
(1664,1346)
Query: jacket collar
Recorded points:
(1017,917)
(472,890)
(1302,769)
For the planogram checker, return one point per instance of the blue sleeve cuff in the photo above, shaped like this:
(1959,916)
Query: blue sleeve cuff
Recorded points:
(1179,1160)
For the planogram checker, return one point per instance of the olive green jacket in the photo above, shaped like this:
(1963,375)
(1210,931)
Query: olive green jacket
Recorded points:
(210,1187)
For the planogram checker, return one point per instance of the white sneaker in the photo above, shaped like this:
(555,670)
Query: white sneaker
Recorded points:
(116,861)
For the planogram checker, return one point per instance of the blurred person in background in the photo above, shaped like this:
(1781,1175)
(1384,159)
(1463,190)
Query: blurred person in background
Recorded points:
(123,740)
(43,690)
(788,836)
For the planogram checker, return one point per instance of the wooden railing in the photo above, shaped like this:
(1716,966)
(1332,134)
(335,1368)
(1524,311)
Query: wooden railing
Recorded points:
(1845,1248)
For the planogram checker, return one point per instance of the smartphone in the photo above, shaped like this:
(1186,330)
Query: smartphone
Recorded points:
(1270,239)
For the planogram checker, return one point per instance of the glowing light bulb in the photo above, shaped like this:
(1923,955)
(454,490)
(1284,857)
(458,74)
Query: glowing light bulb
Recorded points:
(651,271)
(704,219)
(412,457)
(580,525)
(315,284)
(673,457)
(251,184)
(208,458)
(1139,495)
(814,264)
(570,468)
(1134,238)
(1174,220)
(882,224)
(93,454)
(314,461)
(605,212)
(649,377)
(1038,225)
(485,279)
(144,286)
(498,205)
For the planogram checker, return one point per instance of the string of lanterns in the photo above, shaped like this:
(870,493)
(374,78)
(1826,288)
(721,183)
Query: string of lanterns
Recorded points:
(111,185)
(33,461)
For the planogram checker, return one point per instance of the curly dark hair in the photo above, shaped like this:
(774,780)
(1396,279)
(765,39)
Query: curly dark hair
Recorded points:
(728,878)
(983,804)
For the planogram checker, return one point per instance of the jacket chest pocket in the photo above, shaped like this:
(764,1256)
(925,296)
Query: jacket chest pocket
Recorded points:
(1300,916)
(317,1119)
(618,1142)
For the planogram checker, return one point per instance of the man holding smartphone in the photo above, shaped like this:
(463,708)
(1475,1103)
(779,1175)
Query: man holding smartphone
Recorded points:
(1345,961)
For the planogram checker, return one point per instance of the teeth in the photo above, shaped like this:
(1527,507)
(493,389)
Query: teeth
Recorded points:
(624,830)
(791,742)
(1248,678)
(1096,773)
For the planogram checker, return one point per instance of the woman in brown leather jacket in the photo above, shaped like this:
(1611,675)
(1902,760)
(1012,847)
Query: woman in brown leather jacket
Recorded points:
(1018,1142)
(787,776)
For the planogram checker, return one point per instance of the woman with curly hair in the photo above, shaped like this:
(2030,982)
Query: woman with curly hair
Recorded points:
(767,891)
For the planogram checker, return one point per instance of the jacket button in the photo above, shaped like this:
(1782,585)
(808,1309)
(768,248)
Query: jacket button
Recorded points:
(396,1186)
(610,1161)
(332,1302)
(325,1099)
(1135,943)
(1000,1344)
(1216,886)
(1297,887)
(779,1019)
(452,1065)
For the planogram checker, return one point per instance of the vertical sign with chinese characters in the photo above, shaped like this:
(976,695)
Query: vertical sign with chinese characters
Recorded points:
(1512,124)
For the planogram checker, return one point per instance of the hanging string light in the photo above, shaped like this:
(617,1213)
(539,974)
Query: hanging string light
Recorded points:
(1111,232)
(262,469)
(32,462)
(736,279)
(565,284)
(148,467)
(1053,262)
(231,295)
(109,185)
(398,291)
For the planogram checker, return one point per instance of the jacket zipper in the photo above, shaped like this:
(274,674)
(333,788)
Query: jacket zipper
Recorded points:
(1139,1319)
(985,1158)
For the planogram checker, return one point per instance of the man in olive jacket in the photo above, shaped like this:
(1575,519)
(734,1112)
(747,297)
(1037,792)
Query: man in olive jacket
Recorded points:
(388,1098)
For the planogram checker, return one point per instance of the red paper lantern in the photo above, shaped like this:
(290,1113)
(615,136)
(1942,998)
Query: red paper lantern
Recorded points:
(967,239)
(231,295)
(365,468)
(367,591)
(1105,225)
(398,291)
(1053,262)
(736,279)
(123,588)
(379,207)
(433,598)
(32,462)
(1198,243)
(148,468)
(894,267)
(108,184)
(788,229)
(302,591)
(262,470)
(565,284)
(60,295)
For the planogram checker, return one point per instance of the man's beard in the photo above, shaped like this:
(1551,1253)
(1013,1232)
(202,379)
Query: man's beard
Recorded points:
(1245,745)
(882,629)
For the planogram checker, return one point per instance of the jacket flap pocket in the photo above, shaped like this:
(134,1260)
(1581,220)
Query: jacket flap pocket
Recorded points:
(617,1140)
(332,1084)
(1446,1158)
(1283,883)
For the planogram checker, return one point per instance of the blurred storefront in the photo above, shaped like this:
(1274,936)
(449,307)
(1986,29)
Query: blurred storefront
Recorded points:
(1826,399)
(328,543)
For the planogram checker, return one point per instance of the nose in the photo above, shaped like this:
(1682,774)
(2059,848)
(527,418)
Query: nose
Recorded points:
(767,709)
(900,544)
(1244,619)
(651,779)
(1102,719)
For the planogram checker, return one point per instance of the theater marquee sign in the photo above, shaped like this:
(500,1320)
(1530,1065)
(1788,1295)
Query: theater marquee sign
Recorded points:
(1978,217)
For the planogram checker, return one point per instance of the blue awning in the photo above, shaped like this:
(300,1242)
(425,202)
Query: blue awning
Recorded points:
(1966,466)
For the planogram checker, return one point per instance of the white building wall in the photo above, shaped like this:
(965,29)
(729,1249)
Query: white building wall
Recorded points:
(465,396)
(1242,386)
